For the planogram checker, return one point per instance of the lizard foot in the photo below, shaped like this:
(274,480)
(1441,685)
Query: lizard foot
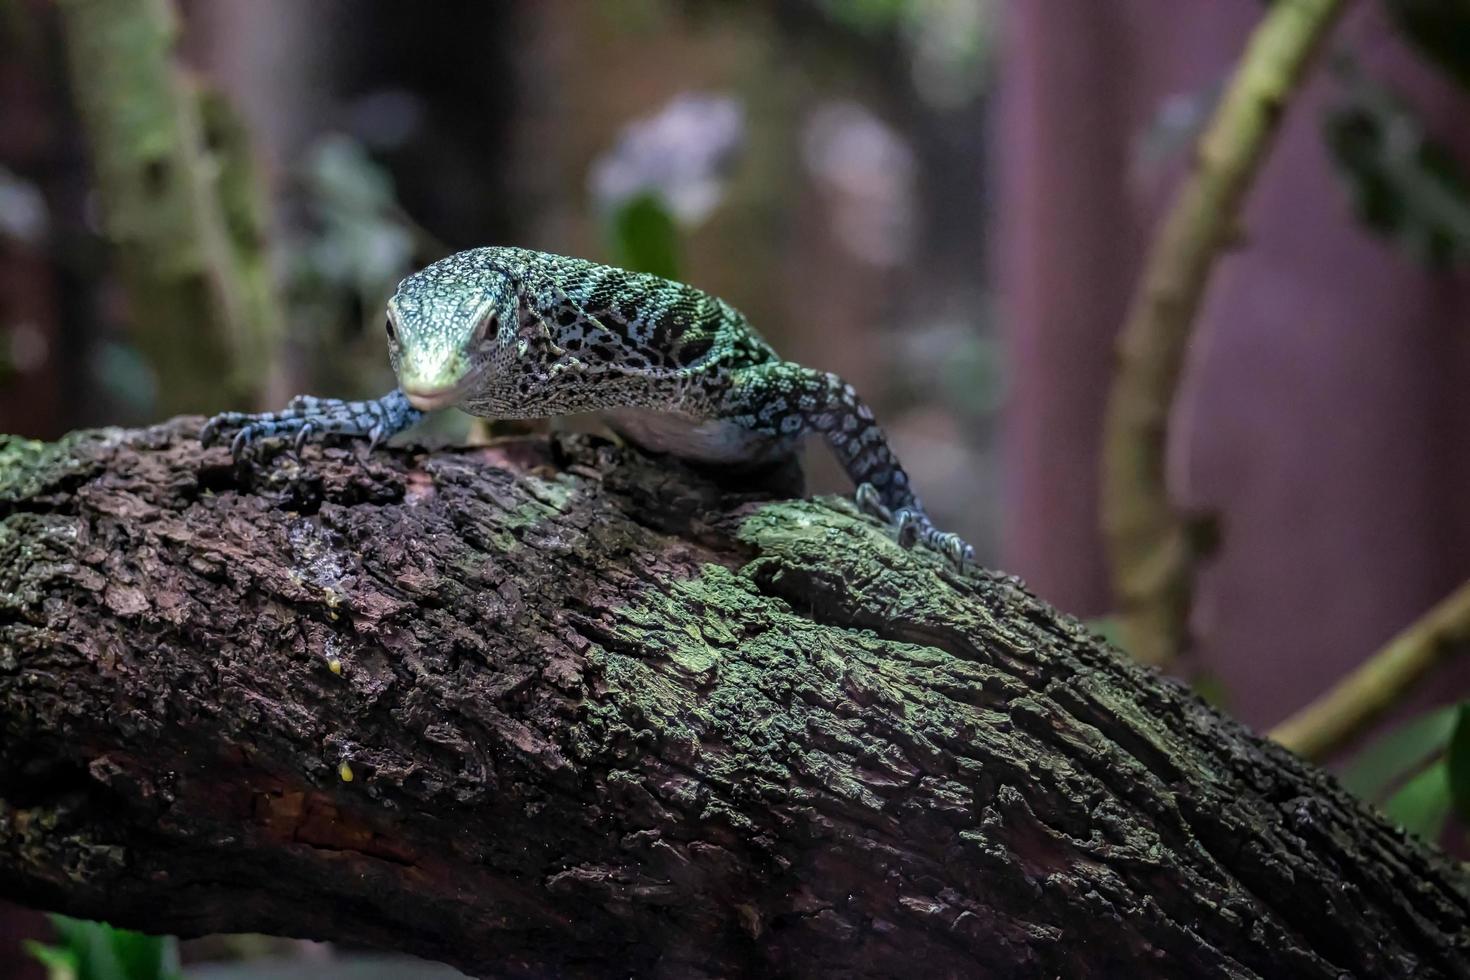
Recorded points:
(374,419)
(914,527)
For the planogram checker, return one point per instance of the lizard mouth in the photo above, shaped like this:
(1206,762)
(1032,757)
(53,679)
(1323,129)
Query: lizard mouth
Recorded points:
(428,398)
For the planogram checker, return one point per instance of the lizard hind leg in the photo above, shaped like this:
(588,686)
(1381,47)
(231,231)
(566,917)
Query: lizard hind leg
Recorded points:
(786,398)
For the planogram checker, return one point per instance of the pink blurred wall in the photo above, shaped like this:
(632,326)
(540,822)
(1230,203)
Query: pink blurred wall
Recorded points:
(1325,413)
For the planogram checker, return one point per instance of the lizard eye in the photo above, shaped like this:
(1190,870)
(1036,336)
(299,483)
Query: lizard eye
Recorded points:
(391,330)
(486,328)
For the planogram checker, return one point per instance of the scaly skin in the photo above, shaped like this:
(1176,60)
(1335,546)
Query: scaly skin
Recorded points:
(512,333)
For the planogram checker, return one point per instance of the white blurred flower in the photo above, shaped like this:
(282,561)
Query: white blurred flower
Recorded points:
(23,214)
(680,154)
(870,170)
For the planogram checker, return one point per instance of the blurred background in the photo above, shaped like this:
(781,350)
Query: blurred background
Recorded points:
(949,202)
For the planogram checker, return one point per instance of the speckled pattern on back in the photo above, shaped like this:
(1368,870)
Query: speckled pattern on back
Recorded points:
(513,333)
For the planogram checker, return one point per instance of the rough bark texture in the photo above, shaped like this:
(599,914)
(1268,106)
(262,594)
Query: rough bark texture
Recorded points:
(592,714)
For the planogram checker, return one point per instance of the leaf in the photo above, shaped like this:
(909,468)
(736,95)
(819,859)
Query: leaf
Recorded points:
(1422,805)
(645,238)
(98,951)
(60,963)
(1109,629)
(1402,750)
(1441,31)
(1405,184)
(1457,761)
(1212,687)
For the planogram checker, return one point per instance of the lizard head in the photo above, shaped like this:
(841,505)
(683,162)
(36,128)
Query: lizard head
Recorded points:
(446,324)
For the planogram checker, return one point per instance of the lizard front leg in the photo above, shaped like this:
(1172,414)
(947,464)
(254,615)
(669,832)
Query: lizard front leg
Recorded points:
(785,399)
(375,419)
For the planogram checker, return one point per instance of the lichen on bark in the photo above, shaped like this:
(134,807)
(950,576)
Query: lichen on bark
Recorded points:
(602,713)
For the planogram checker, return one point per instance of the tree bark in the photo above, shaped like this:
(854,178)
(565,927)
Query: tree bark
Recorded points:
(555,708)
(179,201)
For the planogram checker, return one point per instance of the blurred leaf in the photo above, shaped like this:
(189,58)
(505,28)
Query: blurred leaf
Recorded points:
(97,951)
(1457,761)
(645,238)
(869,16)
(1402,750)
(1440,29)
(60,963)
(126,376)
(1107,627)
(1405,184)
(973,375)
(363,245)
(1422,805)
(1211,686)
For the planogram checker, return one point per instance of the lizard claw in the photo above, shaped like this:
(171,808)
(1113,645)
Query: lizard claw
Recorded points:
(959,552)
(211,429)
(242,441)
(307,416)
(913,527)
(870,502)
(302,434)
(910,526)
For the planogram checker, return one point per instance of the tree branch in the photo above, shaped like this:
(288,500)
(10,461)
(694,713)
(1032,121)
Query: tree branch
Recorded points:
(602,716)
(1360,698)
(1154,548)
(180,203)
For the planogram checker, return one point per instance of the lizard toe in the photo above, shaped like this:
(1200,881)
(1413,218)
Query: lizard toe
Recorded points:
(241,443)
(955,548)
(302,434)
(870,502)
(910,525)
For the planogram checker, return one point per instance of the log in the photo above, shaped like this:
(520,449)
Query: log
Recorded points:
(550,707)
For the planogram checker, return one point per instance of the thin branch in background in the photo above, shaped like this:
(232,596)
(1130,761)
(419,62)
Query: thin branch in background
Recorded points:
(1153,547)
(1379,683)
(180,204)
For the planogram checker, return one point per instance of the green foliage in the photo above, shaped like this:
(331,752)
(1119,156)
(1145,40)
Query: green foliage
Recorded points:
(1383,764)
(363,244)
(973,378)
(1440,29)
(1211,686)
(1422,805)
(869,16)
(1110,630)
(356,245)
(1457,762)
(122,371)
(1405,184)
(644,237)
(97,951)
(1419,772)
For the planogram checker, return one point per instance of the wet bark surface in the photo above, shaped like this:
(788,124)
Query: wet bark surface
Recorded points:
(554,708)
